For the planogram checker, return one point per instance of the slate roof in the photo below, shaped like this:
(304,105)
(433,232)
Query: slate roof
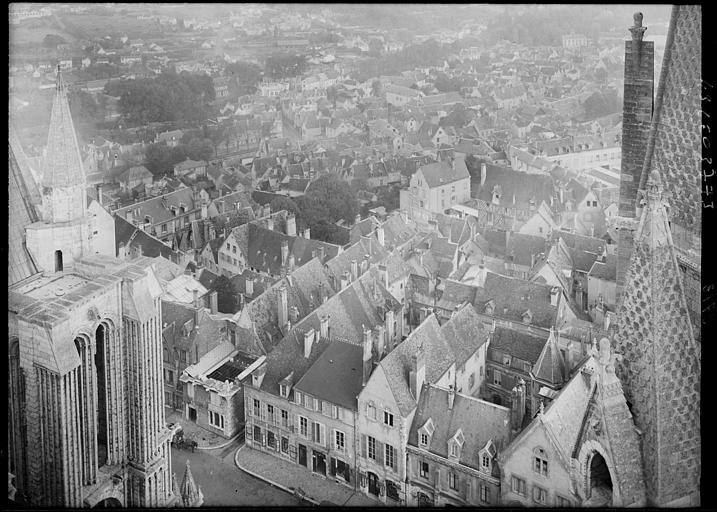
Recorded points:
(442,173)
(398,231)
(363,228)
(522,345)
(336,376)
(464,333)
(135,173)
(583,243)
(583,260)
(135,240)
(550,366)
(478,420)
(605,270)
(365,246)
(262,247)
(457,231)
(523,186)
(525,248)
(397,364)
(159,208)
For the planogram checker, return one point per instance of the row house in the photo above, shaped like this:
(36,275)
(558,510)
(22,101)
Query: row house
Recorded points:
(301,405)
(167,215)
(388,402)
(452,450)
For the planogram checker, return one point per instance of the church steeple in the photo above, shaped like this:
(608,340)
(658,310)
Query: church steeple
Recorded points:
(63,177)
(191,493)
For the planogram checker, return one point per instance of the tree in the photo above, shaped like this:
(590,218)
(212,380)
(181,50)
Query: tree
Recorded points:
(200,149)
(376,88)
(334,196)
(226,298)
(52,40)
(284,203)
(281,66)
(232,221)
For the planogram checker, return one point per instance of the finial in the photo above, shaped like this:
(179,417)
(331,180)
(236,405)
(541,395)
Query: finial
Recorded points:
(637,30)
(654,187)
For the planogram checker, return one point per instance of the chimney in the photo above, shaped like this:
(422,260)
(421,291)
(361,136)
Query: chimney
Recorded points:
(517,409)
(195,302)
(99,194)
(482,174)
(284,252)
(383,272)
(308,342)
(129,216)
(357,219)
(345,279)
(213,302)
(569,362)
(267,210)
(307,233)
(324,327)
(354,270)
(417,376)
(291,262)
(321,253)
(380,341)
(365,264)
(389,320)
(291,225)
(270,223)
(367,355)
(381,236)
(554,295)
(121,251)
(451,396)
(204,210)
(249,287)
(283,306)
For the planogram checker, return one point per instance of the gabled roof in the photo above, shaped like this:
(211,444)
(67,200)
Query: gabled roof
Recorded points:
(397,364)
(442,173)
(336,376)
(464,333)
(479,422)
(525,248)
(364,247)
(523,345)
(135,239)
(606,270)
(513,184)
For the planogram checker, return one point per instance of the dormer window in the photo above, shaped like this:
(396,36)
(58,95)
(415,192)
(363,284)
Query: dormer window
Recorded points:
(455,444)
(485,462)
(284,390)
(426,433)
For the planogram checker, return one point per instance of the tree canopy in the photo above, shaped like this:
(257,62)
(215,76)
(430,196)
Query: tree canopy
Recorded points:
(281,65)
(182,98)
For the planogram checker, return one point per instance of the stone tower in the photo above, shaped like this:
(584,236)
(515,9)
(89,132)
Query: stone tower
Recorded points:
(86,405)
(636,117)
(191,493)
(660,367)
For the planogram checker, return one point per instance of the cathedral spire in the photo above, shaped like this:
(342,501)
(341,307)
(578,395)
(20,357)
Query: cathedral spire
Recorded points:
(62,166)
(660,370)
(191,493)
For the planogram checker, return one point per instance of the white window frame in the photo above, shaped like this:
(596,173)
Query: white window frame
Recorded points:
(388,418)
(219,419)
(338,434)
(389,449)
(304,421)
(369,447)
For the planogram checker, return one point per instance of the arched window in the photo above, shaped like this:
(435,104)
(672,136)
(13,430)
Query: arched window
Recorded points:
(540,461)
(58,261)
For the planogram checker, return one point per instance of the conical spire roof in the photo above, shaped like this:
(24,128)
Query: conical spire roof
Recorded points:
(62,165)
(550,366)
(660,367)
(190,491)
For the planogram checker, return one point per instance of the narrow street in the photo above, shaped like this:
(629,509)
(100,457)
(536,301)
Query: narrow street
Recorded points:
(223,484)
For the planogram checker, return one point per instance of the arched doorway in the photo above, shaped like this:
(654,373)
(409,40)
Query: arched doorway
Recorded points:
(109,503)
(424,501)
(599,482)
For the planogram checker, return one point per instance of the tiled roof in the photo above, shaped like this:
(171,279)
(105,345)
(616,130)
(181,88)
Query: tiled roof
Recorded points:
(62,163)
(675,141)
(550,366)
(397,364)
(478,420)
(135,173)
(457,230)
(525,248)
(336,376)
(160,208)
(464,333)
(443,173)
(583,243)
(135,239)
(605,270)
(522,345)
(513,184)
(358,251)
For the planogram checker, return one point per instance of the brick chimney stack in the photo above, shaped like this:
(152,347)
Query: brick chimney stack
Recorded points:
(517,409)
(637,110)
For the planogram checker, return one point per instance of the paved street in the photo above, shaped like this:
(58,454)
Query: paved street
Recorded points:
(223,484)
